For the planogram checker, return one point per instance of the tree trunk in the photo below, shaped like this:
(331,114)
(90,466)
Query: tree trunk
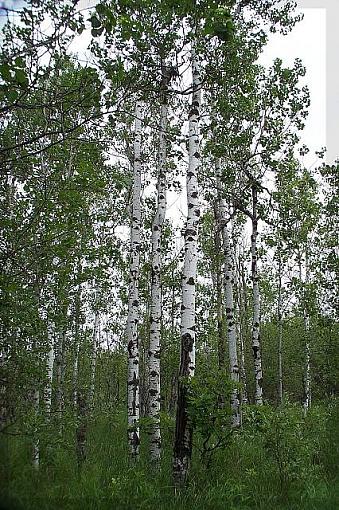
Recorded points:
(229,301)
(156,297)
(50,364)
(76,346)
(307,376)
(183,429)
(256,347)
(218,289)
(81,430)
(36,442)
(133,398)
(306,320)
(59,368)
(280,330)
(95,337)
(242,312)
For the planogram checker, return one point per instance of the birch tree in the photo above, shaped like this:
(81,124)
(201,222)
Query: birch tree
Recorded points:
(133,401)
(256,346)
(93,358)
(156,295)
(183,429)
(280,326)
(229,301)
(49,367)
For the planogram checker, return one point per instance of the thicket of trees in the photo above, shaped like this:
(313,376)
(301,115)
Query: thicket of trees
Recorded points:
(153,357)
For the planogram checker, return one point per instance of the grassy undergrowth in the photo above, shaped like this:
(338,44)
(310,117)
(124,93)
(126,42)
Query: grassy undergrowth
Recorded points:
(278,461)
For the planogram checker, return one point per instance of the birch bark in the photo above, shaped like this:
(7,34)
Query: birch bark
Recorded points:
(218,288)
(280,331)
(50,364)
(156,297)
(183,429)
(93,361)
(76,348)
(242,307)
(306,320)
(133,400)
(229,301)
(256,347)
(36,442)
(59,369)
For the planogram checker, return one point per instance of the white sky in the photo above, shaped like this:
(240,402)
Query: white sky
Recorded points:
(302,43)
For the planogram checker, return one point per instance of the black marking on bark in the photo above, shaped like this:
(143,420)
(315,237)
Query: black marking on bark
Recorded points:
(194,111)
(190,231)
(255,350)
(134,382)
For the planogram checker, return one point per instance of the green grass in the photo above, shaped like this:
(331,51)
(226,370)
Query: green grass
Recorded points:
(243,475)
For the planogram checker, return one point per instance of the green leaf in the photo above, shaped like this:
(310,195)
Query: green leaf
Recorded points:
(19,62)
(101,9)
(12,95)
(5,72)
(95,22)
(21,77)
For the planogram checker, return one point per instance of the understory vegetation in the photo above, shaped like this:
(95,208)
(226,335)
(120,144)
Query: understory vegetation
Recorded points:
(279,459)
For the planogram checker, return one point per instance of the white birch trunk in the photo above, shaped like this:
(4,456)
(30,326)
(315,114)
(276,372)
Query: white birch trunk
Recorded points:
(306,320)
(256,347)
(59,370)
(95,336)
(218,286)
(229,301)
(76,347)
(280,330)
(156,297)
(76,372)
(307,376)
(36,442)
(133,400)
(242,300)
(242,367)
(183,432)
(50,365)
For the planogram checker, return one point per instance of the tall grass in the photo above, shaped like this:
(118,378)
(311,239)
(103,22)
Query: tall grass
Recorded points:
(278,461)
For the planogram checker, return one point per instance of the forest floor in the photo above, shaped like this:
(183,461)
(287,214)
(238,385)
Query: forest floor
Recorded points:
(280,463)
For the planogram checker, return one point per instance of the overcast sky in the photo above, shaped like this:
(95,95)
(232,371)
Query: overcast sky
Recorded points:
(302,43)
